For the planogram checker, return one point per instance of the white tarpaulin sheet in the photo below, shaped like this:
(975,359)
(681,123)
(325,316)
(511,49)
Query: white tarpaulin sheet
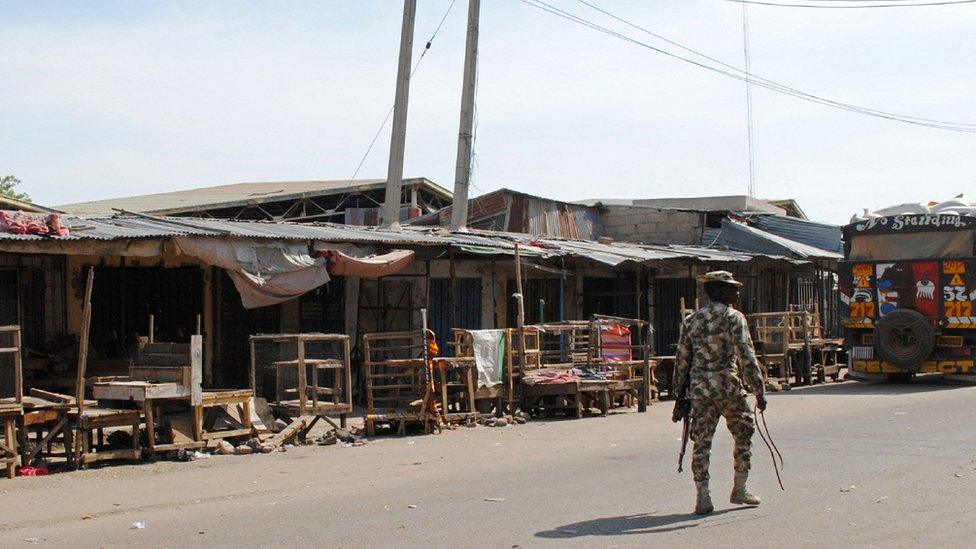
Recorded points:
(489,356)
(264,273)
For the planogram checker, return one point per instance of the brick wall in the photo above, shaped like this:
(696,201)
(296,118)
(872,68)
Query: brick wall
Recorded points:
(652,225)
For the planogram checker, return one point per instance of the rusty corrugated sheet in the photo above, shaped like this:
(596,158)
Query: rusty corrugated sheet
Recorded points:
(121,228)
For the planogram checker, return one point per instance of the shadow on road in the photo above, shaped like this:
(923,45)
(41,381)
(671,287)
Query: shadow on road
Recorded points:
(629,525)
(921,384)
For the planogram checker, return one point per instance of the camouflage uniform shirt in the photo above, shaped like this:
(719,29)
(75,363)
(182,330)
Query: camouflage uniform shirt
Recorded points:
(714,341)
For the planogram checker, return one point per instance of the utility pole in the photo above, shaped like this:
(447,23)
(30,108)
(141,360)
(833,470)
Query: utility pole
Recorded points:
(390,213)
(462,174)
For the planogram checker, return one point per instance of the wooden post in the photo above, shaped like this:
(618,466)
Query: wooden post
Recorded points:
(302,383)
(18,368)
(81,439)
(252,370)
(807,351)
(315,386)
(348,371)
(83,342)
(520,326)
(196,370)
(645,399)
(152,328)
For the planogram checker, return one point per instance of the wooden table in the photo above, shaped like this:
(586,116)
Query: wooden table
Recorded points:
(149,396)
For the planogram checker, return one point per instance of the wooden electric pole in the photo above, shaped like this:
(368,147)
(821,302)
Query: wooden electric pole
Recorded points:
(462,174)
(390,213)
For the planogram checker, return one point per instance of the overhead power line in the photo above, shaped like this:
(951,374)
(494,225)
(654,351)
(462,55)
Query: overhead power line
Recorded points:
(855,4)
(749,123)
(739,74)
(745,74)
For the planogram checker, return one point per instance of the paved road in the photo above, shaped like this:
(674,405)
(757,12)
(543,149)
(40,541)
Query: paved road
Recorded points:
(867,464)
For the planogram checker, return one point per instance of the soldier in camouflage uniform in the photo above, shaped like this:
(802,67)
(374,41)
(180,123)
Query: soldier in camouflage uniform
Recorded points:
(714,341)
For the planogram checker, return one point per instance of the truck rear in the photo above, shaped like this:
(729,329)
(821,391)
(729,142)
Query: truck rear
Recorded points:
(907,295)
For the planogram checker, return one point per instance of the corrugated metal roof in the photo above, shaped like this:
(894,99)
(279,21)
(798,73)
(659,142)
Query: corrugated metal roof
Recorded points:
(235,194)
(741,237)
(819,235)
(118,228)
(530,214)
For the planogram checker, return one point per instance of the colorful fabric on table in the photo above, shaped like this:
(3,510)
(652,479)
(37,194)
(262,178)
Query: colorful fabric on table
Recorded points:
(548,377)
(615,343)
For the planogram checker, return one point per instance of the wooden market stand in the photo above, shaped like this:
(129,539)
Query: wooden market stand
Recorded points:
(315,400)
(578,345)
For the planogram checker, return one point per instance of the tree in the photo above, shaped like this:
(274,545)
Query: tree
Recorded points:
(8,188)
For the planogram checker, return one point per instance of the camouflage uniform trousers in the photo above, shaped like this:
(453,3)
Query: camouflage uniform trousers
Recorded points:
(705,413)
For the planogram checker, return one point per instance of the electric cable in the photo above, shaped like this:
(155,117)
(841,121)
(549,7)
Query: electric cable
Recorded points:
(863,4)
(390,112)
(752,76)
(763,82)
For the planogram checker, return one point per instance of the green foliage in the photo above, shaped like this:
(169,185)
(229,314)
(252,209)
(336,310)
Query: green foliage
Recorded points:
(8,188)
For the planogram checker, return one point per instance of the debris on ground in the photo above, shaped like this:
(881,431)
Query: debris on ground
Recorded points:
(28,471)
(258,447)
(139,525)
(328,439)
(225,448)
(345,436)
(263,411)
(495,500)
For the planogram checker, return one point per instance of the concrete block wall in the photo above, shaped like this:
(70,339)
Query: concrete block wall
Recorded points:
(652,225)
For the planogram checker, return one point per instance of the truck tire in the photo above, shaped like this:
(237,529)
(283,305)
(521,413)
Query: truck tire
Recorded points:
(904,338)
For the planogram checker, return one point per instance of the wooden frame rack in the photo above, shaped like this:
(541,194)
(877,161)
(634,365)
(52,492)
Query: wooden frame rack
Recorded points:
(315,400)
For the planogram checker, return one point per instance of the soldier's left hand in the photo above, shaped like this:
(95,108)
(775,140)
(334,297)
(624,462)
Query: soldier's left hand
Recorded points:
(761,402)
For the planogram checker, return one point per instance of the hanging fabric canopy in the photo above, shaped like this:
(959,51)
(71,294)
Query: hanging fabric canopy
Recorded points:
(264,273)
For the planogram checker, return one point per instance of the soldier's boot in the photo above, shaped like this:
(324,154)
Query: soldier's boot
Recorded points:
(739,493)
(703,504)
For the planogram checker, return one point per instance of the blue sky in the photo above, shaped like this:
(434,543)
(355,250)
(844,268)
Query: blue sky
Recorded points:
(104,99)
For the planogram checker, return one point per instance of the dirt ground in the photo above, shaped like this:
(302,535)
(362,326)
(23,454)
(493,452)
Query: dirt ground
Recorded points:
(866,464)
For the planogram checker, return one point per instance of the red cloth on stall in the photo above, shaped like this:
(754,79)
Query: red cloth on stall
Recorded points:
(23,223)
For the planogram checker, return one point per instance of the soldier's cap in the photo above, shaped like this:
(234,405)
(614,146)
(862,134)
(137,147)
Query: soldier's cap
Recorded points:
(719,276)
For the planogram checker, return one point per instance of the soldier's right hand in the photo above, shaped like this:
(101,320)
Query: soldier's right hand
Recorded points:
(761,402)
